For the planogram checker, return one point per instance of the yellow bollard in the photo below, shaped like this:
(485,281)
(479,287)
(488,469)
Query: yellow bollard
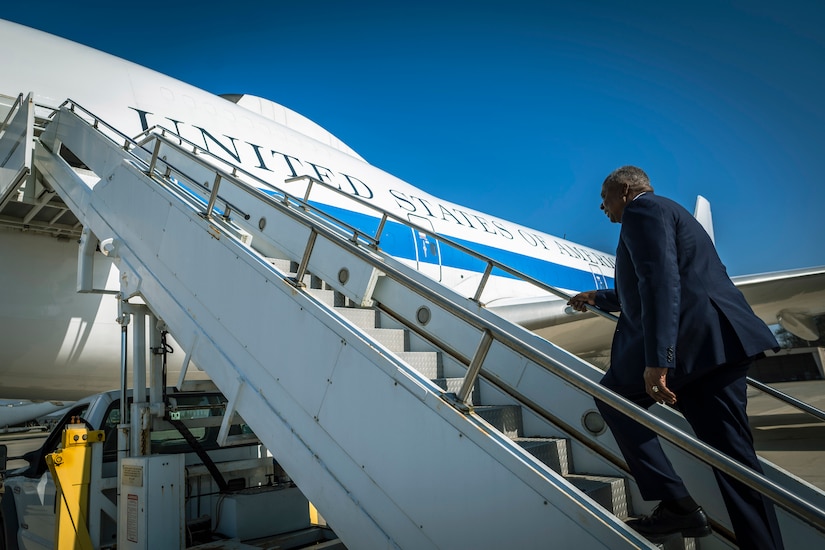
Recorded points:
(316,518)
(71,470)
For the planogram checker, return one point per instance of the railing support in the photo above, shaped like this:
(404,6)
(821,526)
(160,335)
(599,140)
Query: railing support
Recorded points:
(154,161)
(483,282)
(213,196)
(475,366)
(302,268)
(377,238)
(309,188)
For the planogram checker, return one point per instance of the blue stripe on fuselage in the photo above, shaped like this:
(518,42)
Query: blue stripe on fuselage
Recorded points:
(398,240)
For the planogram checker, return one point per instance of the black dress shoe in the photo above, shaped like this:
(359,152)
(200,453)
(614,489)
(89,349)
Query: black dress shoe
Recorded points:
(663,522)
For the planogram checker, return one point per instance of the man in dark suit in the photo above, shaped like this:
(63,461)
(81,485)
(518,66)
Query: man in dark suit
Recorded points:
(684,330)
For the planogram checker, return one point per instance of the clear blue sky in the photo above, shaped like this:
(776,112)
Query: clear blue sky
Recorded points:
(521,108)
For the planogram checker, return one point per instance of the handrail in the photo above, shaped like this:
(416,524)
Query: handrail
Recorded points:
(810,513)
(803,509)
(10,114)
(304,202)
(789,399)
(490,262)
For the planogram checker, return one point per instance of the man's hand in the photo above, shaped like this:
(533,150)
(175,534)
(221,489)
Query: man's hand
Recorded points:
(581,300)
(656,385)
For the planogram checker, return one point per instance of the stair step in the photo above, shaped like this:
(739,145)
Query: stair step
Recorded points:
(326,297)
(675,542)
(290,268)
(394,339)
(283,265)
(360,317)
(453,385)
(610,492)
(428,363)
(678,543)
(316,282)
(550,450)
(505,418)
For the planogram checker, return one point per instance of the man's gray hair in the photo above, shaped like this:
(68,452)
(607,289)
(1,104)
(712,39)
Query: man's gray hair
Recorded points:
(635,178)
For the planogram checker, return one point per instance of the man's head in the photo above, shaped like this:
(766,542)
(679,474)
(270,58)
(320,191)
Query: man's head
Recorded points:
(621,187)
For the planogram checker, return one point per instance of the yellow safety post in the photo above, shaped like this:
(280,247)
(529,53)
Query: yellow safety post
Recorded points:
(71,470)
(315,518)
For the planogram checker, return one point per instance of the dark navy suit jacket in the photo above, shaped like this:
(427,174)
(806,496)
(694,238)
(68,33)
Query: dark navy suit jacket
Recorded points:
(679,309)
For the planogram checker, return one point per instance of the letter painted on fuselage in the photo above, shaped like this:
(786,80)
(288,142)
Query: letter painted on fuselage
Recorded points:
(289,166)
(277,163)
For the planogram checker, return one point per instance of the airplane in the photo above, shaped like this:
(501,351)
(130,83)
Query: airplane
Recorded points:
(61,344)
(14,413)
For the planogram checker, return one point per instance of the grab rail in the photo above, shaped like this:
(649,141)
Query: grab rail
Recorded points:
(12,110)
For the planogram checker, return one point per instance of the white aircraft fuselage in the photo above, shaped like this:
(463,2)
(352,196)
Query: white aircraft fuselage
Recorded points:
(58,344)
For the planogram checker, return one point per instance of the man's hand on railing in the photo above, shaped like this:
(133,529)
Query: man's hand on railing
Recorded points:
(581,300)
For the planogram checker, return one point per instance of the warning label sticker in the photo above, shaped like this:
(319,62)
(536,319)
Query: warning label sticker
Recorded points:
(132,518)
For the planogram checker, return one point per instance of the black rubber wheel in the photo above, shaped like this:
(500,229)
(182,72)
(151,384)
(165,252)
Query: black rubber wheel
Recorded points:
(8,524)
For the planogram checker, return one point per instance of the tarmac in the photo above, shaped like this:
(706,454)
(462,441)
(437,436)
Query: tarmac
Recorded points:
(786,436)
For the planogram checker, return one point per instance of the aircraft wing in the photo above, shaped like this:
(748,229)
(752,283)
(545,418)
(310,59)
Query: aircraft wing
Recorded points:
(584,334)
(793,298)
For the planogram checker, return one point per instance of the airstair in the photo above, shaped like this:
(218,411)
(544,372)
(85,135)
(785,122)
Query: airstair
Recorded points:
(409,415)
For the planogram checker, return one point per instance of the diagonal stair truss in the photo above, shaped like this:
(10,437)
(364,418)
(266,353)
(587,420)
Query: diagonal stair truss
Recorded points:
(383,449)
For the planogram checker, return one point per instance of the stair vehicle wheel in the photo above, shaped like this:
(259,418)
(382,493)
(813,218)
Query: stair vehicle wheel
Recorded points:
(8,524)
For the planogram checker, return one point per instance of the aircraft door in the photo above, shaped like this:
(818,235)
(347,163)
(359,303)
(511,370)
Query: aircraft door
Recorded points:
(598,277)
(427,248)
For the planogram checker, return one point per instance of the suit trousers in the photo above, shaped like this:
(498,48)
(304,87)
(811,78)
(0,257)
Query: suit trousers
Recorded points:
(715,406)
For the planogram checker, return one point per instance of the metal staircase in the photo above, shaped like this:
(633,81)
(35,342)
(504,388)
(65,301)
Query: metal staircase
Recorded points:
(423,421)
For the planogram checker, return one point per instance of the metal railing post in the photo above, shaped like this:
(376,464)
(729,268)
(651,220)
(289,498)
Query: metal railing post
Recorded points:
(213,196)
(377,238)
(475,366)
(154,161)
(309,188)
(483,282)
(302,268)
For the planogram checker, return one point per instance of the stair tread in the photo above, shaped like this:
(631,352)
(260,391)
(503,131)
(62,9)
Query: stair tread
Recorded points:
(609,491)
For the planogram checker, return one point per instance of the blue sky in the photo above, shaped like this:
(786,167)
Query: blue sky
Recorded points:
(521,108)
